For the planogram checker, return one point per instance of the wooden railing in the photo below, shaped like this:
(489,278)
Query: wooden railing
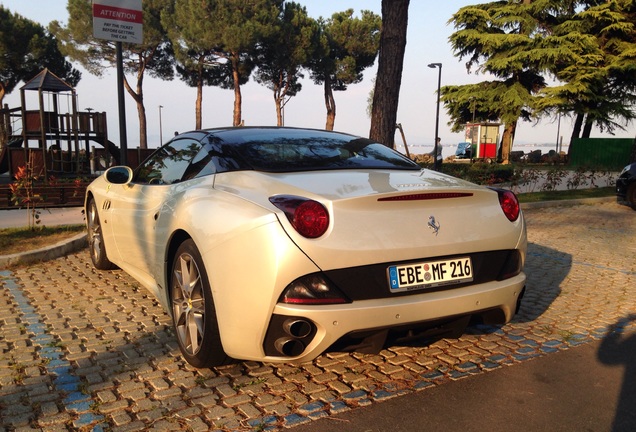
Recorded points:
(60,195)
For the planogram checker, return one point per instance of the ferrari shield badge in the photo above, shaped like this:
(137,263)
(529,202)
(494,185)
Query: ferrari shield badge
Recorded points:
(433,225)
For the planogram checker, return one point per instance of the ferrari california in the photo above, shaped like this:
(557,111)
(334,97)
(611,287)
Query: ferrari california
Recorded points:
(279,244)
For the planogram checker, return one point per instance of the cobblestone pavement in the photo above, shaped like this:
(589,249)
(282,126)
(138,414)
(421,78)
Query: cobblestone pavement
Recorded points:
(90,350)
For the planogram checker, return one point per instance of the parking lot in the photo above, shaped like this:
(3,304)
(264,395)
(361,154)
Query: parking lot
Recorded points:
(89,350)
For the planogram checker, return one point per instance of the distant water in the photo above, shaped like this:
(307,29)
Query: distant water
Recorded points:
(449,149)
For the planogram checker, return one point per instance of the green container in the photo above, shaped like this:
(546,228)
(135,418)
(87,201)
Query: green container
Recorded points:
(601,153)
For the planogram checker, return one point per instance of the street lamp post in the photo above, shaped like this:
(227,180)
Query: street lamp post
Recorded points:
(160,127)
(436,162)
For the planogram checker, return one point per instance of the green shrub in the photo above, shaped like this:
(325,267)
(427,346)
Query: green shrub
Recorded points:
(480,173)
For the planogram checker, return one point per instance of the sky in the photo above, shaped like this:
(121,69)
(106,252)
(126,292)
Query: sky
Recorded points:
(427,42)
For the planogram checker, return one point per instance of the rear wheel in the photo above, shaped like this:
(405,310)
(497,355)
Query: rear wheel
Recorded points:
(193,311)
(96,239)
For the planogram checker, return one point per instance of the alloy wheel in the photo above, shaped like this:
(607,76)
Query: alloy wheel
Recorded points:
(188,303)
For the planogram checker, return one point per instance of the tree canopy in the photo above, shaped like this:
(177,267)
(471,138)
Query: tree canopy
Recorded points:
(280,56)
(601,89)
(198,64)
(350,45)
(25,49)
(588,47)
(498,38)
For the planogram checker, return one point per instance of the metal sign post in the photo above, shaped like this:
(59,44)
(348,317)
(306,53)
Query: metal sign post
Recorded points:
(119,21)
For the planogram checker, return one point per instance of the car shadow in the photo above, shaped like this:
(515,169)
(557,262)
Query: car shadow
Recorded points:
(619,349)
(545,269)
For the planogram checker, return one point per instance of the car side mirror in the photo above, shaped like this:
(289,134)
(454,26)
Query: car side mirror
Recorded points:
(119,175)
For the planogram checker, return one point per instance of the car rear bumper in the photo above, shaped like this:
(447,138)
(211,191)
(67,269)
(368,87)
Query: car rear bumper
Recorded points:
(496,302)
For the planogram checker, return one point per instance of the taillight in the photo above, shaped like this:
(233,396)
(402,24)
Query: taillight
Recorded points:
(509,204)
(308,217)
(512,267)
(312,290)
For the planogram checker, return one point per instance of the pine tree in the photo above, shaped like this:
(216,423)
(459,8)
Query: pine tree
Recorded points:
(284,51)
(25,49)
(350,45)
(500,39)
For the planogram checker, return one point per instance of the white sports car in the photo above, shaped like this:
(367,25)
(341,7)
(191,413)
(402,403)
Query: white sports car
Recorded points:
(278,244)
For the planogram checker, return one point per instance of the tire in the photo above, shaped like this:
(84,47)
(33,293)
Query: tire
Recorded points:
(193,311)
(96,239)
(630,196)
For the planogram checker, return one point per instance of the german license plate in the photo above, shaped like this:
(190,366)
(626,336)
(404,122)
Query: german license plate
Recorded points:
(430,274)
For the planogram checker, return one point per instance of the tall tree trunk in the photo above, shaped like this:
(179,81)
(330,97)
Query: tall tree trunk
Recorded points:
(389,77)
(279,97)
(576,131)
(138,97)
(279,111)
(199,101)
(236,120)
(143,126)
(578,124)
(5,126)
(330,104)
(587,130)
(141,112)
(506,141)
(5,123)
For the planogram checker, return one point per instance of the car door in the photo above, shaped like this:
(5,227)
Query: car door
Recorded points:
(150,198)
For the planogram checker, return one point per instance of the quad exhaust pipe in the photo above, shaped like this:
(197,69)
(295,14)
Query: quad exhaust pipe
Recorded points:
(289,347)
(296,330)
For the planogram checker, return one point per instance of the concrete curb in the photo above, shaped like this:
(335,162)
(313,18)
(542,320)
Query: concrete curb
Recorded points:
(568,203)
(47,253)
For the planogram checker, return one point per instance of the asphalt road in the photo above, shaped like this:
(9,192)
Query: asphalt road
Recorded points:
(591,387)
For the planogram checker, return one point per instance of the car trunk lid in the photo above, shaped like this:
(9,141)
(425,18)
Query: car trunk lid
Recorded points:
(385,216)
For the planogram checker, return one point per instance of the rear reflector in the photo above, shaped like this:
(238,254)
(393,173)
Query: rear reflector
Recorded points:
(427,196)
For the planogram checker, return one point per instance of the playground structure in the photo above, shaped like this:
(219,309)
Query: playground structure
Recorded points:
(54,141)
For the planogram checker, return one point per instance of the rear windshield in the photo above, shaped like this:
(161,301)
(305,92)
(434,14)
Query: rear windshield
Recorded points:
(289,150)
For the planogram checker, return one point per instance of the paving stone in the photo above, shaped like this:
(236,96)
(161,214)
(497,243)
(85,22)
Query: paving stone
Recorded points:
(108,332)
(167,393)
(206,401)
(110,407)
(296,397)
(237,400)
(135,395)
(249,411)
(218,412)
(339,387)
(120,418)
(279,409)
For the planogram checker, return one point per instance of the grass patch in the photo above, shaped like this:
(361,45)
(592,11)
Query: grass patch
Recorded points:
(601,192)
(16,240)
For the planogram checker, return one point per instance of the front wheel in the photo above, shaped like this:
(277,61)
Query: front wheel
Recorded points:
(96,239)
(193,311)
